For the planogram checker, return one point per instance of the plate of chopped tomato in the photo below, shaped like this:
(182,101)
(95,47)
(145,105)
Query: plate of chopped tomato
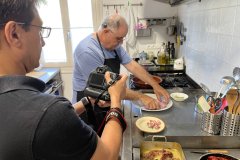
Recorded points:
(150,124)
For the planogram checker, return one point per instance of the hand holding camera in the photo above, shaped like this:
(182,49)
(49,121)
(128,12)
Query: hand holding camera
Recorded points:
(117,90)
(97,87)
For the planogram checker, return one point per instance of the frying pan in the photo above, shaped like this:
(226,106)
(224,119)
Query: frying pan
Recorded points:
(143,85)
(228,157)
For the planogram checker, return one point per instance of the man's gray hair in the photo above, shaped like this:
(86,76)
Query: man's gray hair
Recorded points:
(112,22)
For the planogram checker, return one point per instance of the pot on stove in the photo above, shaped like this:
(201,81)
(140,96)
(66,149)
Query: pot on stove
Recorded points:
(143,85)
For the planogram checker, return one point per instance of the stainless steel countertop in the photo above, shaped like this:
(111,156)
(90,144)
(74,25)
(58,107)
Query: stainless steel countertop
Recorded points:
(183,125)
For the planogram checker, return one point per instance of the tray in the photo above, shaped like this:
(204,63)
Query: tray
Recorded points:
(154,150)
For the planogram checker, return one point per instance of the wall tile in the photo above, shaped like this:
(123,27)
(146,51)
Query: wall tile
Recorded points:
(213,41)
(234,55)
(211,44)
(212,21)
(227,20)
(224,48)
(236,31)
(221,3)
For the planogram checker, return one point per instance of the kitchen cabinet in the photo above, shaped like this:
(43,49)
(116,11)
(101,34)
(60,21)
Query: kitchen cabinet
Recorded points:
(52,79)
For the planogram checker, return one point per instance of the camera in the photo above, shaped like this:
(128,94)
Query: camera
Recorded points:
(96,84)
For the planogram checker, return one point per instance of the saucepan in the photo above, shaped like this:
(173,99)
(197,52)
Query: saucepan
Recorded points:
(143,85)
(213,156)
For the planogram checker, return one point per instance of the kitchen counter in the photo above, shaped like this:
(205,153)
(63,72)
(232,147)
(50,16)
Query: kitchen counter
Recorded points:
(183,125)
(52,79)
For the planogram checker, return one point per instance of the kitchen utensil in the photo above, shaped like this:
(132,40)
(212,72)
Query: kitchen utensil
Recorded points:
(218,155)
(215,103)
(203,104)
(225,81)
(206,89)
(210,151)
(228,81)
(236,73)
(141,84)
(150,124)
(223,106)
(235,107)
(238,84)
(231,96)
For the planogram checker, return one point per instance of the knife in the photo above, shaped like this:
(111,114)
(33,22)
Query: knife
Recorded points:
(210,151)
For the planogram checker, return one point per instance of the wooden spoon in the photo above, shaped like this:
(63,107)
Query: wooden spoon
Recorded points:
(236,105)
(231,96)
(237,108)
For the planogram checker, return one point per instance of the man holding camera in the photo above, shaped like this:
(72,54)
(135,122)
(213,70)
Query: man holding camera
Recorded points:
(104,48)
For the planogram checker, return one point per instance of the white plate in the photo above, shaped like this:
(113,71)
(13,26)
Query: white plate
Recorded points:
(179,96)
(142,124)
(169,105)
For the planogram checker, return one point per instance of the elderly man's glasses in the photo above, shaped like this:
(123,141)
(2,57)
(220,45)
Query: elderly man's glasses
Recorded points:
(44,31)
(119,39)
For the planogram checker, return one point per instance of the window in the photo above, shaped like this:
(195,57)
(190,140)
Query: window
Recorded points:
(71,21)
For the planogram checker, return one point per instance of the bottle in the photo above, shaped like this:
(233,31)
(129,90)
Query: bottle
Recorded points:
(172,53)
(161,57)
(168,57)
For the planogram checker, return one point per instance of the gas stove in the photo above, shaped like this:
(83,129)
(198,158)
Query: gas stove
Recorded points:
(171,80)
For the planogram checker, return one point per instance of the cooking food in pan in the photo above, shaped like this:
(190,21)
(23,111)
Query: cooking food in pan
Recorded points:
(217,156)
(161,154)
(141,84)
(155,150)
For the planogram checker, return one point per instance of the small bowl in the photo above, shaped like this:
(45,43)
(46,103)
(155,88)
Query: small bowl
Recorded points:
(177,96)
(220,155)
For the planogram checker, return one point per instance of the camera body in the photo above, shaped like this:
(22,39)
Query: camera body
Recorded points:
(96,84)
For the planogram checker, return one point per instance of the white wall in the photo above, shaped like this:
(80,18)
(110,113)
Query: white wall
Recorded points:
(213,39)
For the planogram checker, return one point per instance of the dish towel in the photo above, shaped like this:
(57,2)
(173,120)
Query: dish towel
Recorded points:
(131,38)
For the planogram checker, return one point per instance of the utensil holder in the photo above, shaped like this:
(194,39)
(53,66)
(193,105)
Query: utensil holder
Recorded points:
(211,123)
(230,124)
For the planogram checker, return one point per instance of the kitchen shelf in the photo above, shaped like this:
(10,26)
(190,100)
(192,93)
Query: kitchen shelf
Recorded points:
(155,20)
(176,2)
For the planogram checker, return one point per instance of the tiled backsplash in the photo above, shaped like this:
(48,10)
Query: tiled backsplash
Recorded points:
(212,48)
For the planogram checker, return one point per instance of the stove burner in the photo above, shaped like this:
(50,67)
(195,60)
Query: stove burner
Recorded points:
(171,80)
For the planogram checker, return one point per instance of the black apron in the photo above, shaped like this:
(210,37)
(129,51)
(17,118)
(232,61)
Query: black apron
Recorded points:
(95,120)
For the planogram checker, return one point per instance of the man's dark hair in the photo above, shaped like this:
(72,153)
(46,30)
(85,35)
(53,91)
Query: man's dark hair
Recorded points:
(17,10)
